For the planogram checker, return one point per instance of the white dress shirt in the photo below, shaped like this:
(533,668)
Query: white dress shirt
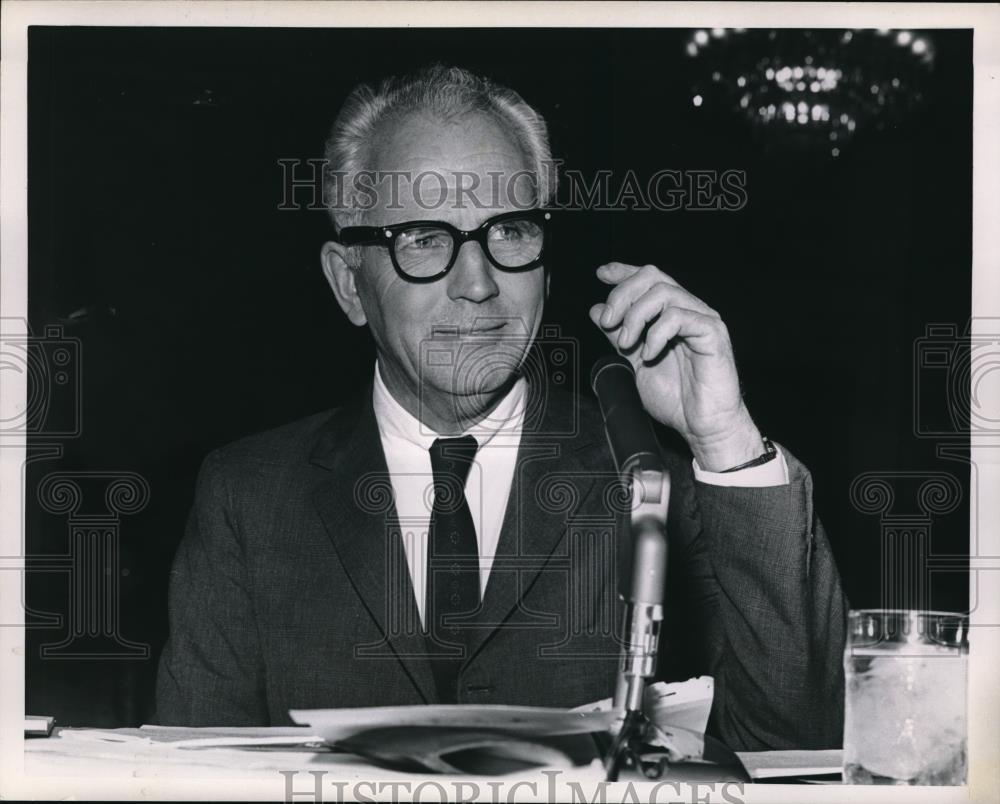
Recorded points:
(406,443)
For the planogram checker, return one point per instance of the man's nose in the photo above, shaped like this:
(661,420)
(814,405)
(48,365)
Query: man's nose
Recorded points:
(471,277)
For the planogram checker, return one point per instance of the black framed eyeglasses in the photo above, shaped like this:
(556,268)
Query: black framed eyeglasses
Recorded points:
(424,251)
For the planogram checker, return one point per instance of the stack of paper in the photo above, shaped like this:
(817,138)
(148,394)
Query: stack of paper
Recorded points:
(492,739)
(38,726)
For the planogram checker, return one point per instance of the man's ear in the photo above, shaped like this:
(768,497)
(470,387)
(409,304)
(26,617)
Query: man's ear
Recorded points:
(340,277)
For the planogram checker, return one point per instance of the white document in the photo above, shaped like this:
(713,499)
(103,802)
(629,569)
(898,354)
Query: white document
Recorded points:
(681,704)
(527,721)
(778,764)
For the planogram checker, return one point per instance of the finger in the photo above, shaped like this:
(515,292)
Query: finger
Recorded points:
(701,333)
(624,295)
(646,309)
(612,273)
(612,337)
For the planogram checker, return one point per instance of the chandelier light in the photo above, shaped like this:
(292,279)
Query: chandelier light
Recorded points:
(811,87)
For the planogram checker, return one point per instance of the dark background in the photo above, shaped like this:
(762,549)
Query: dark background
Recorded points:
(154,188)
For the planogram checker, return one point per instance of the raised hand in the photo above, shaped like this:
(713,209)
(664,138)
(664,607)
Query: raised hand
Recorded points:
(683,361)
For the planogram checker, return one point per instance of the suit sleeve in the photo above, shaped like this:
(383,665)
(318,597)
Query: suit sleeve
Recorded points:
(210,672)
(780,616)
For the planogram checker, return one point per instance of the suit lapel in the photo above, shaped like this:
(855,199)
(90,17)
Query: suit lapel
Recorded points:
(552,479)
(355,503)
(550,482)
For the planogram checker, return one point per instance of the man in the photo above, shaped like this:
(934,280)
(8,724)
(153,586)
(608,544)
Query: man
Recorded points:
(447,536)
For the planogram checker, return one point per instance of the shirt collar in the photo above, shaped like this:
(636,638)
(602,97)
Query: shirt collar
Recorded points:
(394,421)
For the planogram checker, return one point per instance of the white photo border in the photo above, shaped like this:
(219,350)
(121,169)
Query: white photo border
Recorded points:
(984,688)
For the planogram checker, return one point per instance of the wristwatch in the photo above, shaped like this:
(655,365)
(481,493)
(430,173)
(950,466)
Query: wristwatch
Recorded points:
(770,453)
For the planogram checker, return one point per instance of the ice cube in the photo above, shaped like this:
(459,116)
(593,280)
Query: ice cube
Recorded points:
(906,715)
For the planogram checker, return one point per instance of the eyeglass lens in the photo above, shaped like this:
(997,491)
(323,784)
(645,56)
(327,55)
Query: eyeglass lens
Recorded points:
(426,250)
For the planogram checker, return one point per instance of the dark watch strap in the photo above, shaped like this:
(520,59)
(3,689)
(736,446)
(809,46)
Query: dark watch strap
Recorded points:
(770,453)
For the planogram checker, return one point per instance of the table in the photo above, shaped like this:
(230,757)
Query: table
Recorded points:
(158,752)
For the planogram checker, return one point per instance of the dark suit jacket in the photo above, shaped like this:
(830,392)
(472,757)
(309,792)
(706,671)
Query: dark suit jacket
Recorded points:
(291,590)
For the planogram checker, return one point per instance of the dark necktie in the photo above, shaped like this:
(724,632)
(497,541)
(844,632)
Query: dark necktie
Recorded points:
(452,562)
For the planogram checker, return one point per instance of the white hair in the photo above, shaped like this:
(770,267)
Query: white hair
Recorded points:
(448,93)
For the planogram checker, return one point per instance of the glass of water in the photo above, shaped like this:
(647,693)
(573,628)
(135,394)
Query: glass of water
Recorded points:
(905,709)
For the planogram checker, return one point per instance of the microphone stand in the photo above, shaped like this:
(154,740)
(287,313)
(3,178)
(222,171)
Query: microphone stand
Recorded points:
(641,582)
(642,551)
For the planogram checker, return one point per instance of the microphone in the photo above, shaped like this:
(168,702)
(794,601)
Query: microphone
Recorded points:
(642,549)
(626,423)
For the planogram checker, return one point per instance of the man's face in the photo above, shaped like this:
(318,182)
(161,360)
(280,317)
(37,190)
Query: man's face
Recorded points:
(482,319)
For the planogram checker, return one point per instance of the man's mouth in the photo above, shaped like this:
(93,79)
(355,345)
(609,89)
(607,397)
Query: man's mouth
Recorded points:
(487,326)
(479,327)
